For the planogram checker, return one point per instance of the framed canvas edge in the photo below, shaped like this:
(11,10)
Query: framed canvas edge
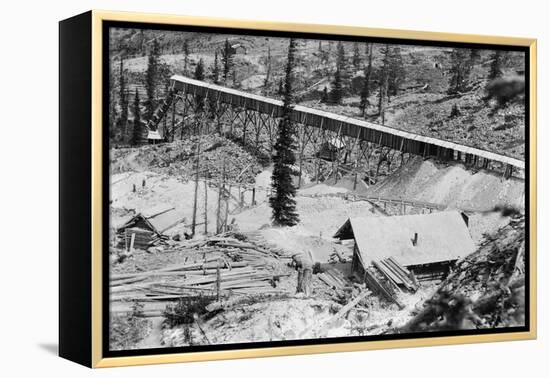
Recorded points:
(98,16)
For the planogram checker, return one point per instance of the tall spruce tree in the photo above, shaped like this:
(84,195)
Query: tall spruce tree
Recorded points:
(495,69)
(356,60)
(137,138)
(337,93)
(282,202)
(267,71)
(123,102)
(227,60)
(216,69)
(186,57)
(384,81)
(460,71)
(365,89)
(199,70)
(342,65)
(151,78)
(396,73)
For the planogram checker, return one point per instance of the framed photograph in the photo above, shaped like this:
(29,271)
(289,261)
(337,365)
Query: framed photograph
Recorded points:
(234,189)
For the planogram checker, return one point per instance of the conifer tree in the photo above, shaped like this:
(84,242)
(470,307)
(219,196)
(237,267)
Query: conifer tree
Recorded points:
(282,202)
(396,73)
(336,92)
(216,69)
(324,97)
(365,90)
(384,79)
(495,69)
(151,77)
(342,66)
(268,70)
(460,71)
(185,57)
(123,102)
(199,70)
(227,60)
(356,61)
(137,134)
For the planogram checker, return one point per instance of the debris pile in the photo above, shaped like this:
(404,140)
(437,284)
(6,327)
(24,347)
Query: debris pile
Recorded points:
(178,158)
(487,290)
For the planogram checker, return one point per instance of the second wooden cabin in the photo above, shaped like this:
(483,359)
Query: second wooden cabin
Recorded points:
(426,244)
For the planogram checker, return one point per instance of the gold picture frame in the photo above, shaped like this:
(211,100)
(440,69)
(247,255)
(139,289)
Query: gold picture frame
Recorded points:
(97,18)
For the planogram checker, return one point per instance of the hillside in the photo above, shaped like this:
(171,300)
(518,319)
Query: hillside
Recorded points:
(421,103)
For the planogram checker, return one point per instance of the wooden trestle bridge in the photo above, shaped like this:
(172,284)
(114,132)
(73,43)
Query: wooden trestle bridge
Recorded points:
(254,119)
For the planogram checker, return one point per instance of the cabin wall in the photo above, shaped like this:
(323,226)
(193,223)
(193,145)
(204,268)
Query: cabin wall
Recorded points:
(357,268)
(435,271)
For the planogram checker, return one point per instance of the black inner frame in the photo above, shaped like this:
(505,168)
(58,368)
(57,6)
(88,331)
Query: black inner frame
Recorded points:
(106,25)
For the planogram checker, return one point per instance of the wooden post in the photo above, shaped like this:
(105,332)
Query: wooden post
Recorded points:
(218,211)
(132,240)
(253,196)
(197,165)
(205,207)
(173,126)
(227,207)
(218,282)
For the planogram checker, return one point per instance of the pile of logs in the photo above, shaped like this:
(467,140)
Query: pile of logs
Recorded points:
(226,266)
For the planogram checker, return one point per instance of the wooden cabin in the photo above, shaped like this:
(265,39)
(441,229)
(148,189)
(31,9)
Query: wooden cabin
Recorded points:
(149,225)
(426,244)
(329,150)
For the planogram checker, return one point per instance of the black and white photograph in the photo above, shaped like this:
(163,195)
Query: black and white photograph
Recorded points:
(269,188)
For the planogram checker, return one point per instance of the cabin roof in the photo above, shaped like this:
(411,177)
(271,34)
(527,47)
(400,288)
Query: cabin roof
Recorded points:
(442,237)
(158,219)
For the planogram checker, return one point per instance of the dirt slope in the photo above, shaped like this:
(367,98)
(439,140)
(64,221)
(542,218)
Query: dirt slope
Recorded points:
(452,185)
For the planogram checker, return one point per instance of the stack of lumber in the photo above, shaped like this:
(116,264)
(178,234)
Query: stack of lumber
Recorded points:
(396,274)
(381,286)
(226,266)
(334,279)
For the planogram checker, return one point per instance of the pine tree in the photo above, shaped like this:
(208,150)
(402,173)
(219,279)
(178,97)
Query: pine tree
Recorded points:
(336,92)
(384,80)
(151,78)
(342,66)
(356,61)
(282,202)
(123,103)
(216,69)
(268,70)
(185,57)
(460,71)
(365,90)
(324,97)
(396,71)
(199,70)
(495,68)
(227,60)
(138,127)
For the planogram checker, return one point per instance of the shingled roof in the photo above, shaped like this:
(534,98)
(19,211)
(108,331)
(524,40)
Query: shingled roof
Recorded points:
(442,237)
